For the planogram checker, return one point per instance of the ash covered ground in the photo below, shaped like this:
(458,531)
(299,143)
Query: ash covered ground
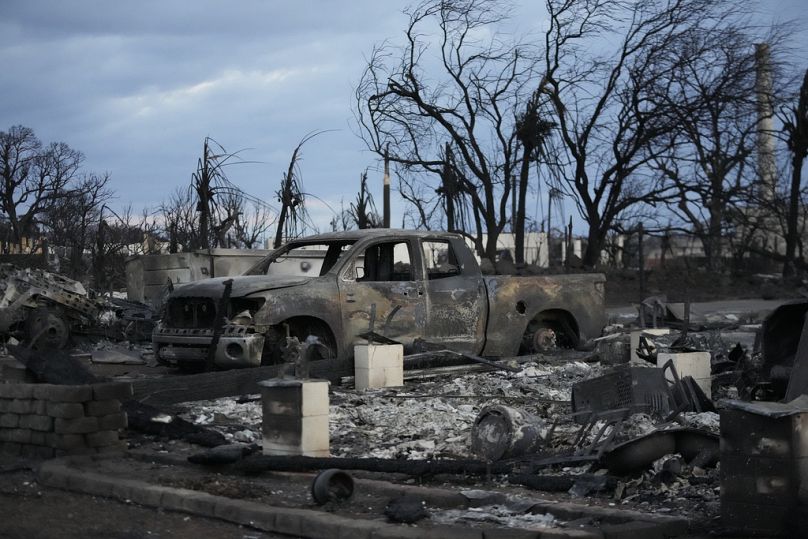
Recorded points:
(433,418)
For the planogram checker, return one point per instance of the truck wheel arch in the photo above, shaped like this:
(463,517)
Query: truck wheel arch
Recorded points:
(300,327)
(562,324)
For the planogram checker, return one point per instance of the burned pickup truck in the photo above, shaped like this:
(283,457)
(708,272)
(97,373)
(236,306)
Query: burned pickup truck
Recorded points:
(405,286)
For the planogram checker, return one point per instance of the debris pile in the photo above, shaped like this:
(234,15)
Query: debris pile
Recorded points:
(47,307)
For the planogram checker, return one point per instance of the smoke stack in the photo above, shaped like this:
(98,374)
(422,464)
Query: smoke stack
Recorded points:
(767,168)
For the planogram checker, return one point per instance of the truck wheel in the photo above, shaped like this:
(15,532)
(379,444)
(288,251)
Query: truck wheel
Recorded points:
(47,329)
(545,333)
(321,343)
(538,338)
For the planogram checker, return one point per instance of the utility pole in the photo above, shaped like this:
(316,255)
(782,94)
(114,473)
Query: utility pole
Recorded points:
(449,190)
(386,201)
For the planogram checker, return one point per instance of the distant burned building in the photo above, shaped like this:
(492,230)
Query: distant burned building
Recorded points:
(31,242)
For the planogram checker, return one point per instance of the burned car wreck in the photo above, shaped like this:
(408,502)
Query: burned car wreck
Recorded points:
(408,287)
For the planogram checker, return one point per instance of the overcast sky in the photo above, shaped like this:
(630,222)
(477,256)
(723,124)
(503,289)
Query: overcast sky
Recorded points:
(137,86)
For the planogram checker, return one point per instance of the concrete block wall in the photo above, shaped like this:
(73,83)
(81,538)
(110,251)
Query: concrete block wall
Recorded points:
(48,420)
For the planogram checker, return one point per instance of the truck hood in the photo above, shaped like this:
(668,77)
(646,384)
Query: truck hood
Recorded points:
(243,285)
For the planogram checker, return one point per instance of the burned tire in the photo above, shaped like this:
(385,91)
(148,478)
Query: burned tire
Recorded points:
(47,328)
(320,340)
(547,332)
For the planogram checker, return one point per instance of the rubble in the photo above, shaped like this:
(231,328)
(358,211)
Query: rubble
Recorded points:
(609,433)
(39,305)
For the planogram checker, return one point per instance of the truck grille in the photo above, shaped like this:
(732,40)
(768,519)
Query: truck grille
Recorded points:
(191,313)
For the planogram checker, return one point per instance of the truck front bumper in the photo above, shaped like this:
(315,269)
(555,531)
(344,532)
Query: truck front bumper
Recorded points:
(185,347)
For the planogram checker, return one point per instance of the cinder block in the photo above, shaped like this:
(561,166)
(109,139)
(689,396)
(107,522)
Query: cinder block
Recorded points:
(102,438)
(59,393)
(22,406)
(695,364)
(37,422)
(113,421)
(17,391)
(39,438)
(40,407)
(19,436)
(112,390)
(394,376)
(79,425)
(294,397)
(368,378)
(5,404)
(102,407)
(36,451)
(288,434)
(9,421)
(649,334)
(10,448)
(68,442)
(378,356)
(65,410)
(378,365)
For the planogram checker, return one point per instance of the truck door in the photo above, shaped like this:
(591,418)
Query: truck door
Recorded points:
(457,304)
(383,274)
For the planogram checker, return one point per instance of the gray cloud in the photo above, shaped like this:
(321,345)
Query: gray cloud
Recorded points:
(137,86)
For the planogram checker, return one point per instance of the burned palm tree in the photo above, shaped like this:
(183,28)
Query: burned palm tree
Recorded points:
(291,196)
(207,179)
(364,212)
(219,201)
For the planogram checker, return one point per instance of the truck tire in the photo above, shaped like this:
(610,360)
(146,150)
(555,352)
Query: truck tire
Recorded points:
(547,331)
(321,341)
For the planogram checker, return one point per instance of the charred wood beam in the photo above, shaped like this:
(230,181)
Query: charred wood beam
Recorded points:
(417,468)
(218,384)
